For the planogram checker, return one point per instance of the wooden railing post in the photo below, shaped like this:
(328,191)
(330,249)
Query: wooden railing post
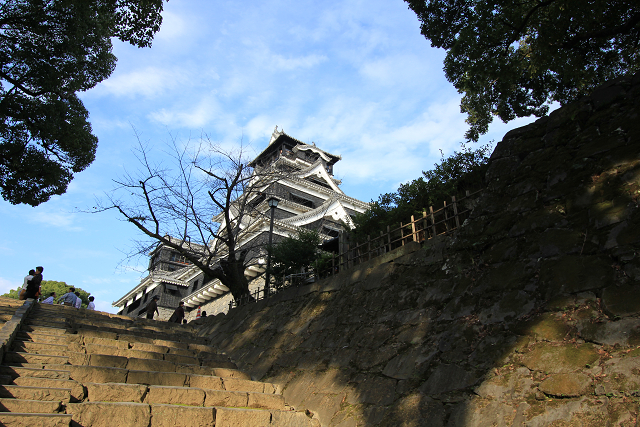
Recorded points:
(382,242)
(414,235)
(389,237)
(446,217)
(401,235)
(433,221)
(455,211)
(424,225)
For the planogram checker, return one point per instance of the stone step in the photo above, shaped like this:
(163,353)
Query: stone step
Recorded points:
(40,348)
(35,393)
(102,414)
(29,406)
(43,329)
(15,372)
(43,338)
(77,390)
(15,419)
(189,396)
(16,357)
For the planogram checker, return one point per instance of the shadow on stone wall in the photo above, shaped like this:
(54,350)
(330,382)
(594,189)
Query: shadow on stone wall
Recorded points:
(527,317)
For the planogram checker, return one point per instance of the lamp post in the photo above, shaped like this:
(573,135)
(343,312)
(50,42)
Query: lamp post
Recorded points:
(273,204)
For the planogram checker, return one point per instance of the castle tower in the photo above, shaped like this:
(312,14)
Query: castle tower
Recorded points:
(309,197)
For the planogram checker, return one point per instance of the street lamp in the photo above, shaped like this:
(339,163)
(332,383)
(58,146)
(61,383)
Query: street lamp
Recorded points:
(273,204)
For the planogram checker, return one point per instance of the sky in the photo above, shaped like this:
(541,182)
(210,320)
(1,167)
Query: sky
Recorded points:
(356,77)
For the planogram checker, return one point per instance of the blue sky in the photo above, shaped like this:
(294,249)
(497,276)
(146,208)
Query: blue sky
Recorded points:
(355,77)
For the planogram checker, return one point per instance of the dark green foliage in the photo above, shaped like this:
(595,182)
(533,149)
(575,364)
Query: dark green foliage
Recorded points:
(294,253)
(48,286)
(49,51)
(462,171)
(510,59)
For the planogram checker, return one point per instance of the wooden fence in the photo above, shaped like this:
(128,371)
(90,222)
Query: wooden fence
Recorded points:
(420,228)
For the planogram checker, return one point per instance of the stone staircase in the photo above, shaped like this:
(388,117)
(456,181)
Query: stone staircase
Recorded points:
(68,366)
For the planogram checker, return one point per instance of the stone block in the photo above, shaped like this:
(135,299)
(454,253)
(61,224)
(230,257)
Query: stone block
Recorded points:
(233,417)
(181,352)
(138,354)
(115,392)
(35,393)
(175,395)
(293,419)
(565,358)
(566,385)
(170,344)
(182,416)
(265,401)
(98,334)
(622,300)
(176,358)
(156,378)
(233,384)
(149,347)
(194,369)
(104,414)
(230,373)
(29,406)
(205,381)
(9,419)
(108,361)
(446,378)
(98,374)
(136,338)
(237,399)
(151,365)
(77,390)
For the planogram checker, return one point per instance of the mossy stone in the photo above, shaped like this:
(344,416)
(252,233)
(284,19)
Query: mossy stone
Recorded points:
(552,358)
(549,327)
(566,385)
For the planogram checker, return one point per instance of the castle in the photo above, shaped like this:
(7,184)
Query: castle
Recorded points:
(309,197)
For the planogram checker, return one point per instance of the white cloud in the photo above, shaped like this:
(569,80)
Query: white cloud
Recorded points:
(66,221)
(6,285)
(173,28)
(148,82)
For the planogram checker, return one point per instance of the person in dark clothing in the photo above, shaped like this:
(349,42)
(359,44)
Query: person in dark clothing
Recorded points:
(33,286)
(178,315)
(152,307)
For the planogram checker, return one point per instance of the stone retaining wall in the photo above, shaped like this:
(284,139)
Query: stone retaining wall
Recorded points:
(527,316)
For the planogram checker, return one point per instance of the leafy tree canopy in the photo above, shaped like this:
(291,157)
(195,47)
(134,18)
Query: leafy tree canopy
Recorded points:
(511,58)
(49,51)
(48,286)
(453,176)
(294,253)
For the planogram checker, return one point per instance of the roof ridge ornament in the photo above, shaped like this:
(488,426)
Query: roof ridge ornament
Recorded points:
(275,134)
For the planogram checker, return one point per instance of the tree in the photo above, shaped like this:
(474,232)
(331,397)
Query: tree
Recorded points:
(49,51)
(293,254)
(204,204)
(460,172)
(510,59)
(48,286)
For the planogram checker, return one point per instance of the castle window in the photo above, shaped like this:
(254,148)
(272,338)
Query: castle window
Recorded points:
(301,200)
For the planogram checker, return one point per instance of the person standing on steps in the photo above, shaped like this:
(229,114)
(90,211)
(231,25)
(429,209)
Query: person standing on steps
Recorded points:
(50,298)
(178,315)
(92,305)
(33,286)
(23,291)
(78,303)
(69,298)
(152,307)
